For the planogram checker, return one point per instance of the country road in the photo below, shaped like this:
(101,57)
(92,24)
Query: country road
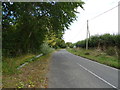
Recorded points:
(71,71)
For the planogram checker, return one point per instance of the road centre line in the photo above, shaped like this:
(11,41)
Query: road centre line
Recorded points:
(97,76)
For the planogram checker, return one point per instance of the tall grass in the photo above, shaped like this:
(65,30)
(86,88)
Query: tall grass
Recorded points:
(9,65)
(96,55)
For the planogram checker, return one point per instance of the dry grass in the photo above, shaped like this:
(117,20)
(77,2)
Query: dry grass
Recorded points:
(96,55)
(32,75)
(9,65)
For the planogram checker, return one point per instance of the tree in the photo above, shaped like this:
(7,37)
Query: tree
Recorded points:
(69,44)
(51,39)
(25,24)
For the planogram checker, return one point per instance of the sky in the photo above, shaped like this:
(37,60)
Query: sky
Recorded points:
(106,23)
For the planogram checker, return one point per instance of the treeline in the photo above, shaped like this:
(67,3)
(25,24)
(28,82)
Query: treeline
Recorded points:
(27,25)
(101,41)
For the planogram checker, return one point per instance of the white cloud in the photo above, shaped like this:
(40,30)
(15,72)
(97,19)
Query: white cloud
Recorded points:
(106,23)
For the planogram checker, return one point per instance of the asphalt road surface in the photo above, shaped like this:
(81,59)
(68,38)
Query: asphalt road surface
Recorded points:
(71,71)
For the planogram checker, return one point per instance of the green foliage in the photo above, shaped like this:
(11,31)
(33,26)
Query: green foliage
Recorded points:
(45,48)
(21,85)
(94,40)
(95,55)
(51,39)
(117,40)
(81,44)
(69,44)
(111,51)
(25,24)
(101,41)
(60,43)
(9,65)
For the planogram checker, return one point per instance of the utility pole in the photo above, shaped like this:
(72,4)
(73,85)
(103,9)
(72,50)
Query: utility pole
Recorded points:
(118,51)
(87,36)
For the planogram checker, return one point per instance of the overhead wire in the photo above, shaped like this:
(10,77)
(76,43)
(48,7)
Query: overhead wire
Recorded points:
(98,16)
(104,12)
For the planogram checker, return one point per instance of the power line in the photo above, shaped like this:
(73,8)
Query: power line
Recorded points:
(88,32)
(104,12)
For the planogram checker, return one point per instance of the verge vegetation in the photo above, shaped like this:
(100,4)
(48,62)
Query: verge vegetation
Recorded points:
(95,55)
(29,29)
(32,75)
(102,48)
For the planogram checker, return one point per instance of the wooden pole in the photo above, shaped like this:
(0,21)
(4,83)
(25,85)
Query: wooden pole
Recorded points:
(87,36)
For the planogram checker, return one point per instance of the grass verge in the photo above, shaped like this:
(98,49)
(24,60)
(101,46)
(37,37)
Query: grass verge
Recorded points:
(32,75)
(9,65)
(97,56)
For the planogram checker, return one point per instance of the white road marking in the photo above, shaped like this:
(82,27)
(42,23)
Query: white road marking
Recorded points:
(99,63)
(94,62)
(97,76)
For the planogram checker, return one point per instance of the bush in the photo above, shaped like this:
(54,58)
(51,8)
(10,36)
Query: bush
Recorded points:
(45,48)
(102,41)
(87,53)
(110,51)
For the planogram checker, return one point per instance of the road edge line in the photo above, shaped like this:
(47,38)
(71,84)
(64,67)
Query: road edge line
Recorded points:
(97,76)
